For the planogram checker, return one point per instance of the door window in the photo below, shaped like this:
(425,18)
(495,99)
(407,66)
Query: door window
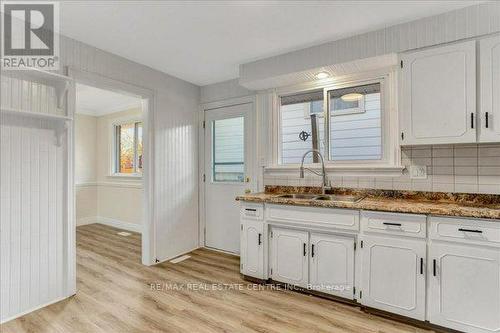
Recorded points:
(228,151)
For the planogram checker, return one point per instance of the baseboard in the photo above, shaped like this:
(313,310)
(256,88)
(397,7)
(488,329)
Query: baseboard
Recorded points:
(86,220)
(110,222)
(120,224)
(175,256)
(20,314)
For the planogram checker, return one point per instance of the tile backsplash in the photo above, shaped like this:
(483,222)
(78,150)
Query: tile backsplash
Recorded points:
(461,169)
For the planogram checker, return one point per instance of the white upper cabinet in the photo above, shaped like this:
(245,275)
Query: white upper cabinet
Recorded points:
(289,256)
(438,95)
(332,264)
(489,64)
(393,275)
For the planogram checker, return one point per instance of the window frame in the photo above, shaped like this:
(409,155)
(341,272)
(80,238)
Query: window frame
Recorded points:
(115,148)
(390,160)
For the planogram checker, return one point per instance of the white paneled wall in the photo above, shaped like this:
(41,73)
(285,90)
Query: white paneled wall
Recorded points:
(28,96)
(174,148)
(295,66)
(462,169)
(32,223)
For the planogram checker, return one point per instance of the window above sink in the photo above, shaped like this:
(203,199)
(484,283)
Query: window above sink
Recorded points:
(352,120)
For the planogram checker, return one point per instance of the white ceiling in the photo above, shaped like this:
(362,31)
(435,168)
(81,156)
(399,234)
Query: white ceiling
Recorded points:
(203,42)
(99,102)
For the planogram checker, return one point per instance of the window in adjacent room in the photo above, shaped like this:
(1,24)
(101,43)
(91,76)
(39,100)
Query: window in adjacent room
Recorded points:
(128,148)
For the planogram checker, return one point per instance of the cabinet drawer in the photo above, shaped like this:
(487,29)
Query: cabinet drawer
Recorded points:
(484,232)
(347,219)
(396,224)
(252,211)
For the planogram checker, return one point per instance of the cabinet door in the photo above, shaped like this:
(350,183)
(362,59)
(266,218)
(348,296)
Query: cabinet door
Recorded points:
(252,245)
(490,89)
(289,256)
(464,287)
(394,275)
(332,264)
(438,95)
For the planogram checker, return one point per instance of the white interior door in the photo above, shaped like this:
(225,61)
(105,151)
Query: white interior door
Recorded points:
(229,153)
(332,264)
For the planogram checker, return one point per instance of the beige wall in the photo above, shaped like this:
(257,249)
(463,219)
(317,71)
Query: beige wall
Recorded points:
(100,196)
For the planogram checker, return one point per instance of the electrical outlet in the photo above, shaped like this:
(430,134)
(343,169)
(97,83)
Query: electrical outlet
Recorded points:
(418,172)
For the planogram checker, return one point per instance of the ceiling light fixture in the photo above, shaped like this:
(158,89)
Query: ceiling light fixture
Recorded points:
(322,75)
(352,97)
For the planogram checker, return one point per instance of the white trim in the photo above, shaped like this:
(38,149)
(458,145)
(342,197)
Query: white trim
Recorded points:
(119,224)
(138,185)
(178,255)
(222,251)
(110,222)
(148,109)
(20,314)
(86,220)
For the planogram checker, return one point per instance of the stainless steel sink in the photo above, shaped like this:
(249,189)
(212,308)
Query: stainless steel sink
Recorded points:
(298,196)
(339,198)
(324,197)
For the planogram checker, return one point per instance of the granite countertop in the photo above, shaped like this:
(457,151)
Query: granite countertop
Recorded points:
(430,203)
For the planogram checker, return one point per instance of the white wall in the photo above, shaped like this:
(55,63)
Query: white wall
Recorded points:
(85,168)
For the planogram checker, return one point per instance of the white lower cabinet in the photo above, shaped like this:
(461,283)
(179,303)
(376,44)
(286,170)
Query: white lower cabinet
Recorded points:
(252,248)
(332,264)
(393,275)
(289,259)
(444,270)
(464,287)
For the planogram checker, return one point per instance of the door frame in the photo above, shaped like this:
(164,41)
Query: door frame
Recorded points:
(148,248)
(201,154)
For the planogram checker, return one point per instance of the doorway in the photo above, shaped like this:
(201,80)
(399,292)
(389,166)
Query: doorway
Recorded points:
(228,172)
(122,177)
(109,159)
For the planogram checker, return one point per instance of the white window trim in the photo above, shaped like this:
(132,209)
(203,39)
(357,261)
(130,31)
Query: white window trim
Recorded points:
(389,165)
(113,147)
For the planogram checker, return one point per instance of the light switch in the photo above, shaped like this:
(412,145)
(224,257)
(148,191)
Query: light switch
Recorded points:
(418,172)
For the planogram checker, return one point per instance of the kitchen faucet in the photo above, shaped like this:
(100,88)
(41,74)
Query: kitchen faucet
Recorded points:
(326,184)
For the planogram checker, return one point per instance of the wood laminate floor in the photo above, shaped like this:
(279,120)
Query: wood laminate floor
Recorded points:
(115,295)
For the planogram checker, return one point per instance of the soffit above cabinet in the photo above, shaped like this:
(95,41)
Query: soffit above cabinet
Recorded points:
(336,70)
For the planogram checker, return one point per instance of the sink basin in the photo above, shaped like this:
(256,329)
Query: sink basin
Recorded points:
(339,198)
(298,196)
